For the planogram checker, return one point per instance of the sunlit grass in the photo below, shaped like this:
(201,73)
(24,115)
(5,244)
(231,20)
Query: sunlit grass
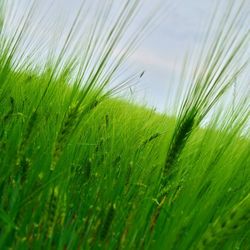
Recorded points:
(82,169)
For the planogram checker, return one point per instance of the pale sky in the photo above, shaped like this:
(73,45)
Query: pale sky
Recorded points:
(161,53)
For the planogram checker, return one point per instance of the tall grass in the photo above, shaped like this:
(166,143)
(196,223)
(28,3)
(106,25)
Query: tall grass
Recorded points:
(82,169)
(213,75)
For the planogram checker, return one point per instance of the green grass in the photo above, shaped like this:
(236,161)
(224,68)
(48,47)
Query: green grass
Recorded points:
(83,169)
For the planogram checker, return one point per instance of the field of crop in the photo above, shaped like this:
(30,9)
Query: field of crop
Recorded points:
(81,168)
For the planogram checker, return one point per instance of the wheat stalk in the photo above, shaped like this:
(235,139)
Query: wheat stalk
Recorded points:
(108,221)
(226,226)
(52,211)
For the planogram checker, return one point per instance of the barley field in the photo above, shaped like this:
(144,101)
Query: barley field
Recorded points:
(83,168)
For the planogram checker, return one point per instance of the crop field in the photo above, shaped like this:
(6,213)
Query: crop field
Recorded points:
(83,168)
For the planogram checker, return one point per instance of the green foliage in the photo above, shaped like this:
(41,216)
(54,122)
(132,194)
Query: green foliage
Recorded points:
(82,169)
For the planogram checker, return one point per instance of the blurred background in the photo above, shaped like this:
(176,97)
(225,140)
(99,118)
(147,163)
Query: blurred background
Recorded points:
(160,55)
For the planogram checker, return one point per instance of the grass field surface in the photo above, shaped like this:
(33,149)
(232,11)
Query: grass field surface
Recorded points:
(81,168)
